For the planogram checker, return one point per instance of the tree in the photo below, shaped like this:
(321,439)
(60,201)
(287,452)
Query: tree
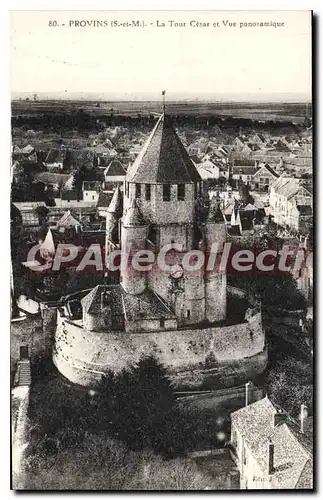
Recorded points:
(245,194)
(78,178)
(290,384)
(42,213)
(277,290)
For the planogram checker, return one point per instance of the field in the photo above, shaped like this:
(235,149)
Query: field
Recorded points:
(292,112)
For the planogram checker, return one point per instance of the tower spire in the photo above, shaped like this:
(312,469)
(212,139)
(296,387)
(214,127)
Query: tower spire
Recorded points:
(164,104)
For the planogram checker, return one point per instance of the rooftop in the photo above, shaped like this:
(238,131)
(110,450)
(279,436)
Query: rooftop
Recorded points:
(163,159)
(147,305)
(115,168)
(293,466)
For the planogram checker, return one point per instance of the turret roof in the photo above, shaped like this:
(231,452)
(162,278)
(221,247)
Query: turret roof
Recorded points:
(163,159)
(133,216)
(116,204)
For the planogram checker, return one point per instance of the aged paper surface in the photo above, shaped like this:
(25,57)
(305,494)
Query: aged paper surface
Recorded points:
(161,250)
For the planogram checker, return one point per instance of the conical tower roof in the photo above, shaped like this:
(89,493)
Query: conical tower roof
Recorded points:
(163,159)
(116,203)
(133,216)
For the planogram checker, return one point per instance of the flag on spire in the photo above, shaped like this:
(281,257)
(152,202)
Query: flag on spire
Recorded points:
(163,94)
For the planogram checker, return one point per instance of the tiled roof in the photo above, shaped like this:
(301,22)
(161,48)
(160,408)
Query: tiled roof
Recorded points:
(51,178)
(116,204)
(269,168)
(147,305)
(289,186)
(68,220)
(115,168)
(255,423)
(244,170)
(133,216)
(104,199)
(163,159)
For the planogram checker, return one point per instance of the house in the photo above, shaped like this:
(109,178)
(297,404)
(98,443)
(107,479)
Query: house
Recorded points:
(91,190)
(239,142)
(73,200)
(287,198)
(29,211)
(244,173)
(263,177)
(103,150)
(114,175)
(271,450)
(55,158)
(208,170)
(259,139)
(54,182)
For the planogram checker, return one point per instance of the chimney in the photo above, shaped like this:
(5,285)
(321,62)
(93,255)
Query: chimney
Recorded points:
(248,387)
(303,417)
(279,417)
(271,468)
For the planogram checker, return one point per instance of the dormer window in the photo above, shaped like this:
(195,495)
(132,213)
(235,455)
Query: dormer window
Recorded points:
(181,192)
(138,191)
(166,192)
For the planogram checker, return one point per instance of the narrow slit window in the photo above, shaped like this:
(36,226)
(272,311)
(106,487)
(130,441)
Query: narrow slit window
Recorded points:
(147,192)
(138,191)
(181,192)
(166,192)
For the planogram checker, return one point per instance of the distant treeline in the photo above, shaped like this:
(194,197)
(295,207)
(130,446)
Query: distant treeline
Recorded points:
(82,121)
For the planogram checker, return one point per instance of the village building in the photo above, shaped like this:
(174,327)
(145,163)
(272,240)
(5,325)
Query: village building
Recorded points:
(208,171)
(29,211)
(55,158)
(262,179)
(54,181)
(91,191)
(244,173)
(291,203)
(259,139)
(272,451)
(114,175)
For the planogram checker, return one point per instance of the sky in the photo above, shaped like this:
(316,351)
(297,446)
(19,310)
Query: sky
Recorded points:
(253,63)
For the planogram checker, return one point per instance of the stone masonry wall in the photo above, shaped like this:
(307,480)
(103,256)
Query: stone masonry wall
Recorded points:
(82,356)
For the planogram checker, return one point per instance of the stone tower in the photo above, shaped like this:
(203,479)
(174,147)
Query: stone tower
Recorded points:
(214,277)
(165,183)
(114,213)
(134,233)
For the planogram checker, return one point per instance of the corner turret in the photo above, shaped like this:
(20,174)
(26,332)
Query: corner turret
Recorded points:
(215,280)
(114,213)
(134,233)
